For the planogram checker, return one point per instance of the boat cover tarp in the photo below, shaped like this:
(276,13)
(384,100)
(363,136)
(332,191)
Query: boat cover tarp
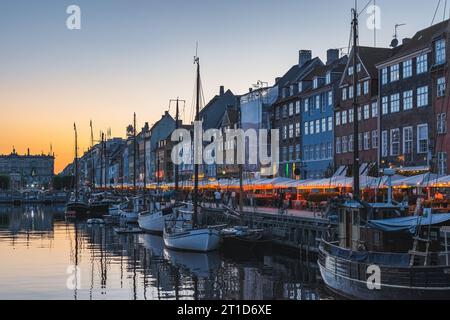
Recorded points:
(408,224)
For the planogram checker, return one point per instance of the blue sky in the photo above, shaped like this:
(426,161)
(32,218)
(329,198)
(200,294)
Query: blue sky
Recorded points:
(135,55)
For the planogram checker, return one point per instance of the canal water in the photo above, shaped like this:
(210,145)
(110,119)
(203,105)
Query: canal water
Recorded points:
(44,257)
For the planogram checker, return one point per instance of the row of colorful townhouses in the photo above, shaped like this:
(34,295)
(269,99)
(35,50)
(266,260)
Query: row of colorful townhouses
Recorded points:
(402,105)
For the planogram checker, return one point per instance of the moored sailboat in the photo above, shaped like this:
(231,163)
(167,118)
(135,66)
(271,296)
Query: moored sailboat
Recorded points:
(187,235)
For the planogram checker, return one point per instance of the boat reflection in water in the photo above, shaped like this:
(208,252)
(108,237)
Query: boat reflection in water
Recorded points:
(38,246)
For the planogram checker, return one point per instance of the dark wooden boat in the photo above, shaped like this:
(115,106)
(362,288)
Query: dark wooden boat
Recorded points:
(381,253)
(77,210)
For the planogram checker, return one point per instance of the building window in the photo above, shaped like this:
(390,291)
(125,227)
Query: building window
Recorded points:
(306,105)
(440,51)
(344,94)
(285,111)
(344,117)
(350,70)
(360,141)
(442,123)
(408,140)
(291,109)
(338,118)
(407,69)
(374,110)
(317,153)
(317,126)
(306,128)
(328,78)
(422,97)
(338,146)
(277,113)
(358,89)
(291,131)
(317,102)
(395,142)
(297,129)
(324,125)
(395,103)
(407,100)
(366,87)
(311,127)
(384,144)
(344,144)
(351,117)
(350,143)
(366,140)
(422,63)
(350,92)
(297,107)
(323,151)
(422,138)
(358,67)
(366,112)
(375,139)
(384,76)
(297,152)
(315,83)
(441,86)
(330,98)
(330,123)
(359,113)
(442,163)
(395,73)
(291,153)
(284,154)
(329,150)
(284,132)
(385,105)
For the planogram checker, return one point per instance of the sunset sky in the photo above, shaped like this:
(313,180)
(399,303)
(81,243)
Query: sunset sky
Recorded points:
(133,56)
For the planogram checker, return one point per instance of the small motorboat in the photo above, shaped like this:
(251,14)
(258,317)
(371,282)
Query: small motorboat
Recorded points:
(96,221)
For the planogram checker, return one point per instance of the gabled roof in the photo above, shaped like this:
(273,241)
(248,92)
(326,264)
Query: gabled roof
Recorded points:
(369,57)
(421,41)
(296,73)
(218,104)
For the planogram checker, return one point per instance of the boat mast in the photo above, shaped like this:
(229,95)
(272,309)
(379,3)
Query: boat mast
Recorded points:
(134,153)
(92,157)
(356,142)
(177,181)
(76,162)
(196,166)
(145,172)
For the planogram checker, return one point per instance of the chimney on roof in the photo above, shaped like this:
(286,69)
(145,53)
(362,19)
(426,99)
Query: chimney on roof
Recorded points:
(277,79)
(28,152)
(332,56)
(250,90)
(303,57)
(222,90)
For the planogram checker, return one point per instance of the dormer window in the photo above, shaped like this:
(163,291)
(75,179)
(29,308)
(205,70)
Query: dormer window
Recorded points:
(315,83)
(328,78)
(350,71)
(358,67)
(300,87)
(292,90)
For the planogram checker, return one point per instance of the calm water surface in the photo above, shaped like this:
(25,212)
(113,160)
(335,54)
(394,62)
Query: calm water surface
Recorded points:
(40,251)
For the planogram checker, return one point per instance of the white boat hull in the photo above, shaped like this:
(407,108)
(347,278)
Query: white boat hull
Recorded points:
(154,223)
(129,217)
(195,240)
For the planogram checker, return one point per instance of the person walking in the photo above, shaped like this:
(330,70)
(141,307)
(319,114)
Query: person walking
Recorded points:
(218,198)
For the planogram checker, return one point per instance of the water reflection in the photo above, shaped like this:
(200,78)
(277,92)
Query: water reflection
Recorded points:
(37,246)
